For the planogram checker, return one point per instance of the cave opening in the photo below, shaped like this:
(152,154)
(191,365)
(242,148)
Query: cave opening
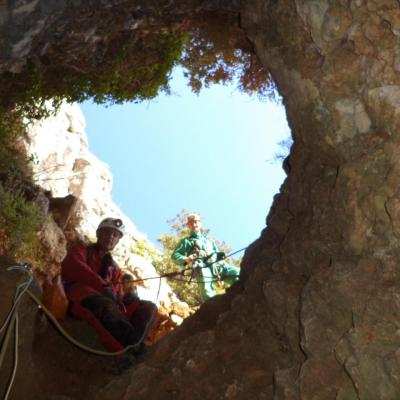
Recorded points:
(218,153)
(190,148)
(211,49)
(44,80)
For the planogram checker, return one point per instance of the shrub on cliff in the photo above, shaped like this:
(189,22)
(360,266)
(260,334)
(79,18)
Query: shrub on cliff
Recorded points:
(20,221)
(129,71)
(20,217)
(212,49)
(218,52)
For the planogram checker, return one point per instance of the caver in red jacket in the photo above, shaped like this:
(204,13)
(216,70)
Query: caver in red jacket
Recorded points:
(93,287)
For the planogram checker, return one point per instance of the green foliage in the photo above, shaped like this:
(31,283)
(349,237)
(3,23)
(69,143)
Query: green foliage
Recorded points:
(20,218)
(218,52)
(13,165)
(10,127)
(122,81)
(20,221)
(214,49)
(130,72)
(143,249)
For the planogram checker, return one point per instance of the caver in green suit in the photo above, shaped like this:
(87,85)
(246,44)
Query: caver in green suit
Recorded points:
(201,252)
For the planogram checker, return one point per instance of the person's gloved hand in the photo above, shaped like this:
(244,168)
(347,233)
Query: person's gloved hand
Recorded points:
(108,292)
(190,259)
(221,256)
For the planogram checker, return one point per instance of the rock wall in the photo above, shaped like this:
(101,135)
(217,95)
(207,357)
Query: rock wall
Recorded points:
(335,223)
(316,314)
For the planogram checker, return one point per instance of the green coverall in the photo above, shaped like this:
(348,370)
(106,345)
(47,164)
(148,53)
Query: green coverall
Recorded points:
(206,270)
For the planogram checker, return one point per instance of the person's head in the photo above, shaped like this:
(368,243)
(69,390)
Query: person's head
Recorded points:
(193,222)
(109,232)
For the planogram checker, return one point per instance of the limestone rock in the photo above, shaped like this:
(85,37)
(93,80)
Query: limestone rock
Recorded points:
(54,243)
(79,187)
(62,209)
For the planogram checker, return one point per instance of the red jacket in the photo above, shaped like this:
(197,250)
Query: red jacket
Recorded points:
(80,272)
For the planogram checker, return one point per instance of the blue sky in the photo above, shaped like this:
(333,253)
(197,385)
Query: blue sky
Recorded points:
(212,154)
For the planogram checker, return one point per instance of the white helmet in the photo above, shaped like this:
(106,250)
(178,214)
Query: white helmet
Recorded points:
(114,223)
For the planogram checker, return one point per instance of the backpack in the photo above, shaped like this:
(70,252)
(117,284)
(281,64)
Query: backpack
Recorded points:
(54,298)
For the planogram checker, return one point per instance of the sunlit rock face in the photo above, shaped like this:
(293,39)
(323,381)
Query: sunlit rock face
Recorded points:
(79,187)
(63,165)
(316,315)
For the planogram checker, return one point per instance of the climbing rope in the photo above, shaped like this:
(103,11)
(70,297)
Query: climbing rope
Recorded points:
(14,312)
(11,323)
(15,359)
(174,274)
(79,344)
(235,252)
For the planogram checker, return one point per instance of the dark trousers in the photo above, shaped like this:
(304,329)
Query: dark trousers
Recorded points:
(129,327)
